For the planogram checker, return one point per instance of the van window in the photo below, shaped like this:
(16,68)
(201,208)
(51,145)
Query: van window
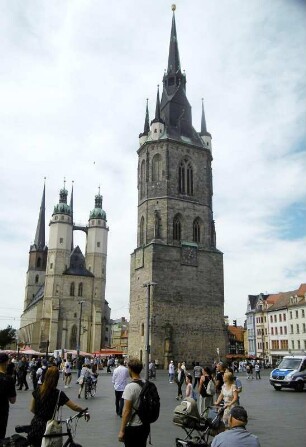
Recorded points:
(289,364)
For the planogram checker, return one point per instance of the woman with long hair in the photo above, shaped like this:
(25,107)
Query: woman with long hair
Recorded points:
(43,405)
(229,395)
(205,400)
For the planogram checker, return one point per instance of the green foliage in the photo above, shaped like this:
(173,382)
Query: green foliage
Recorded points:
(7,336)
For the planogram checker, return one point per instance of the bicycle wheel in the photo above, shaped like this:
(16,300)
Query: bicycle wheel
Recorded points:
(93,390)
(86,392)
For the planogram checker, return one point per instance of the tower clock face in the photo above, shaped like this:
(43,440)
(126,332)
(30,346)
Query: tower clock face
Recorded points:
(189,255)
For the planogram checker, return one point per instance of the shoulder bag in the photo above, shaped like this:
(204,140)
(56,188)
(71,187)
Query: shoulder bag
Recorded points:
(53,427)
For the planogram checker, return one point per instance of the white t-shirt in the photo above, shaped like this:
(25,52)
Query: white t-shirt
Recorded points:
(132,392)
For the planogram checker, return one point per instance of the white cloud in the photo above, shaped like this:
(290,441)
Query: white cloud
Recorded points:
(73,84)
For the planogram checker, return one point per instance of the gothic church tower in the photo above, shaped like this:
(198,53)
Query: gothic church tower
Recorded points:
(176,240)
(65,290)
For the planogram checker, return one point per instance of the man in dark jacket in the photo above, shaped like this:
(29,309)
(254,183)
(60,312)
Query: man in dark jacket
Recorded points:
(7,394)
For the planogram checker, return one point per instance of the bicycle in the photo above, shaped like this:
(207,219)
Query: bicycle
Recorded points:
(71,424)
(90,387)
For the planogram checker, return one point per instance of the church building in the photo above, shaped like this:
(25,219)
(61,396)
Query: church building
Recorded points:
(65,290)
(176,264)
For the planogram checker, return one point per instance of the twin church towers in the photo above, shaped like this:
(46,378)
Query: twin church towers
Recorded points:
(176,246)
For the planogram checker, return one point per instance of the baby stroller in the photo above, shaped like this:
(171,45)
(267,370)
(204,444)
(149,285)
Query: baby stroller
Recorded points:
(198,428)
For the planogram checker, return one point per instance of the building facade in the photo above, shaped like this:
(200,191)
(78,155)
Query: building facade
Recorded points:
(176,264)
(65,290)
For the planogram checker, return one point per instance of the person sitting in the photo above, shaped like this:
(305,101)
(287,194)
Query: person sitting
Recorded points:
(237,436)
(43,405)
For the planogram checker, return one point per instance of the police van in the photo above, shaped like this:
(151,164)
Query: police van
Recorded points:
(290,373)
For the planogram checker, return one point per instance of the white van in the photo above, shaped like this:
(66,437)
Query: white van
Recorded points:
(290,373)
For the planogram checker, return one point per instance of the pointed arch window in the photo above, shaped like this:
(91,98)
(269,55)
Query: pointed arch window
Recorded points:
(36,279)
(73,337)
(38,264)
(142,231)
(72,288)
(80,289)
(177,229)
(156,168)
(186,178)
(142,178)
(196,231)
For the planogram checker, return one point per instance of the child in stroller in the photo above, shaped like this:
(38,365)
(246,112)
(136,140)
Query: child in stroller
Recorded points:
(198,428)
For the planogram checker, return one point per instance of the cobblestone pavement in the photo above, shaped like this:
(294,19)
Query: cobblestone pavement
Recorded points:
(277,418)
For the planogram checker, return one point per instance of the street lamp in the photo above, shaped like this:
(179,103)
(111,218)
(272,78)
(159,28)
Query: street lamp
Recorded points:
(148,286)
(80,327)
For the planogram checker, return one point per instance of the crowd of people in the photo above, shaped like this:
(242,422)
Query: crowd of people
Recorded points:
(215,385)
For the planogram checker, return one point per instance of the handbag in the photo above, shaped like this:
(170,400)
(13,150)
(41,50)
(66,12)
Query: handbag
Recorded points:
(53,427)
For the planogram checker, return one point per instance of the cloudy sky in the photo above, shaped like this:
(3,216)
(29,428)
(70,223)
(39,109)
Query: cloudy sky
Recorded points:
(74,77)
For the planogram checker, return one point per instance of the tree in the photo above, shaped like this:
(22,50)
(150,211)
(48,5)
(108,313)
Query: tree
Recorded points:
(7,336)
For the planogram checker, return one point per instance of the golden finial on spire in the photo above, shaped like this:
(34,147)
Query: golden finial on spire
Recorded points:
(173,7)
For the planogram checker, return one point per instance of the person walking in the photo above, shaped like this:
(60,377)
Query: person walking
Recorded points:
(68,374)
(7,393)
(132,431)
(219,377)
(84,375)
(43,405)
(229,395)
(171,371)
(257,370)
(180,379)
(237,436)
(22,374)
(120,379)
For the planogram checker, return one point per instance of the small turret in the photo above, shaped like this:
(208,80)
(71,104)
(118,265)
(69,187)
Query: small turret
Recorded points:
(205,136)
(144,135)
(157,125)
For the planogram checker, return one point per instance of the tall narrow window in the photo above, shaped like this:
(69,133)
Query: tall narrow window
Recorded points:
(196,231)
(72,289)
(142,178)
(177,229)
(36,279)
(141,232)
(80,290)
(73,337)
(38,264)
(186,178)
(156,168)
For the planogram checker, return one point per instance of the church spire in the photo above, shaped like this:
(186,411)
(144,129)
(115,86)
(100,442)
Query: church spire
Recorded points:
(157,118)
(146,128)
(174,65)
(71,208)
(39,240)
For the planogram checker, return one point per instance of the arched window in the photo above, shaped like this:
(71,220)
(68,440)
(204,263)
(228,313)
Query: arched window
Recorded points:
(73,337)
(38,263)
(142,329)
(80,289)
(186,178)
(177,230)
(141,232)
(72,289)
(142,178)
(36,279)
(156,168)
(196,231)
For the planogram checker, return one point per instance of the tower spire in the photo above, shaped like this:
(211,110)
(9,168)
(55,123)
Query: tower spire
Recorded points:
(174,65)
(157,118)
(71,208)
(203,120)
(146,128)
(39,240)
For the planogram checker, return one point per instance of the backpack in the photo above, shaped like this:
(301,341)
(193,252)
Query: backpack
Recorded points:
(211,388)
(149,402)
